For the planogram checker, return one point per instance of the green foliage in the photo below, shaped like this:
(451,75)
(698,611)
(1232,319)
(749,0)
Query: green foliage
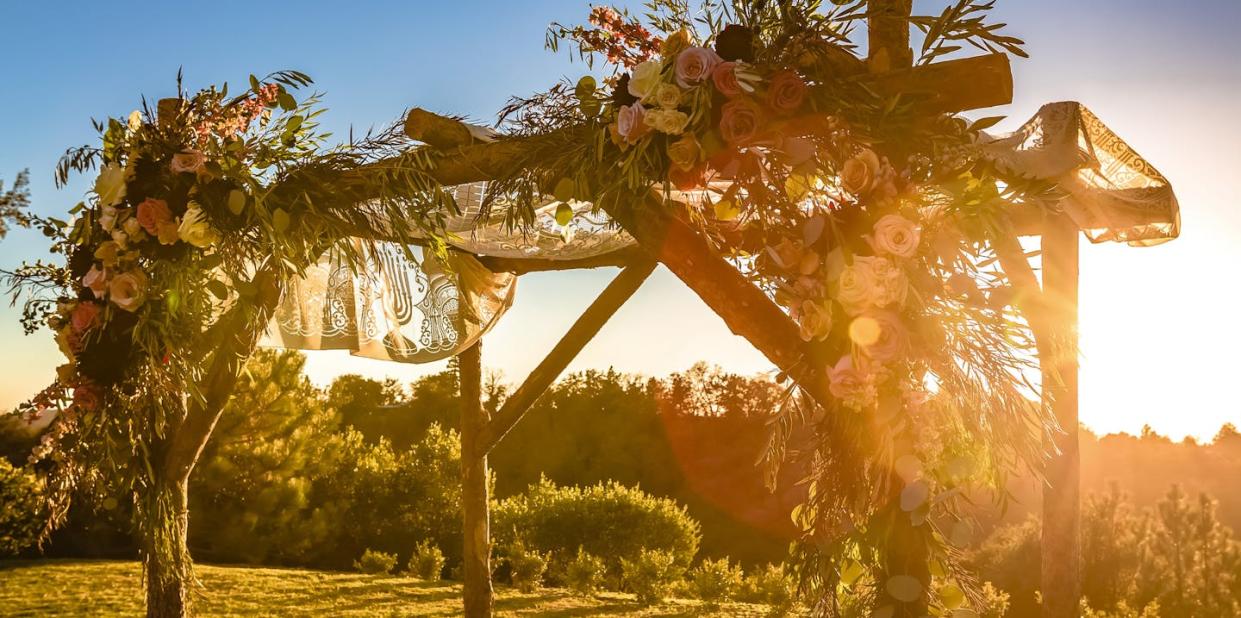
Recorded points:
(14,202)
(652,574)
(1175,558)
(375,562)
(426,562)
(716,580)
(584,573)
(610,520)
(771,586)
(526,566)
(21,509)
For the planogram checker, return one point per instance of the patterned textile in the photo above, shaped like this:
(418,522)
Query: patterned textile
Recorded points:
(423,310)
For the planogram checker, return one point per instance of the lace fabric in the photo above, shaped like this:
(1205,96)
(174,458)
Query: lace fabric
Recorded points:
(426,309)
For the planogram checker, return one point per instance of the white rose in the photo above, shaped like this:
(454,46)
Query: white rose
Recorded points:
(195,230)
(128,290)
(896,235)
(668,121)
(110,185)
(855,285)
(891,284)
(645,78)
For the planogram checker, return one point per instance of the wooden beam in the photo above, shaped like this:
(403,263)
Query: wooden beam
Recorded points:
(436,130)
(521,266)
(477,594)
(990,83)
(745,309)
(1061,551)
(620,290)
(887,29)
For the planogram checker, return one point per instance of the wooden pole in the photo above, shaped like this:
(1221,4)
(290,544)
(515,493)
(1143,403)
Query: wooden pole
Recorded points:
(477,555)
(1061,551)
(620,290)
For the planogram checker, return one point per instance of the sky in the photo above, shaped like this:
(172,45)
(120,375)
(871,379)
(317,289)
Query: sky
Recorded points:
(1159,326)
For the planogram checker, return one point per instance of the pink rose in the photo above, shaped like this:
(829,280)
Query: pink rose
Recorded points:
(892,339)
(740,121)
(84,316)
(787,92)
(86,396)
(96,280)
(128,290)
(725,78)
(153,213)
(189,161)
(845,381)
(631,122)
(694,65)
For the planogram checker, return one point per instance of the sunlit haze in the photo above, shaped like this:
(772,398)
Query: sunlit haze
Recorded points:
(1158,342)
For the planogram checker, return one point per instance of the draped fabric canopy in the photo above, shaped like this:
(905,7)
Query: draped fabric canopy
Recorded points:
(426,309)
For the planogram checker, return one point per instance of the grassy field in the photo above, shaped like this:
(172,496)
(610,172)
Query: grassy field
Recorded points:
(108,588)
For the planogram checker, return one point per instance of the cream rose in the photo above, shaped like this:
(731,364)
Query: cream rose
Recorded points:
(107,218)
(855,286)
(110,185)
(667,96)
(891,283)
(645,78)
(668,121)
(896,235)
(133,228)
(684,153)
(128,290)
(108,253)
(859,173)
(195,229)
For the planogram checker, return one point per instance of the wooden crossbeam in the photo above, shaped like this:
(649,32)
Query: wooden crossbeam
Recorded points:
(520,266)
(620,290)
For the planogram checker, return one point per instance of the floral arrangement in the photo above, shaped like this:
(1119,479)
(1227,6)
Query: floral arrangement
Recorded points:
(868,221)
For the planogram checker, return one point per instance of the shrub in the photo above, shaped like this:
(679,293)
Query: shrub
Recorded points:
(426,562)
(375,562)
(21,509)
(652,574)
(772,587)
(610,521)
(716,580)
(584,573)
(526,567)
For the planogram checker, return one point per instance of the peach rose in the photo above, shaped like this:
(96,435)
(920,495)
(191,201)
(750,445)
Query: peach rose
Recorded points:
(188,162)
(859,173)
(787,92)
(896,235)
(84,317)
(128,290)
(740,121)
(724,76)
(814,320)
(848,384)
(631,122)
(152,213)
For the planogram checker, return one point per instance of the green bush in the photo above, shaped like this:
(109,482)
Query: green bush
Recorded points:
(426,562)
(21,509)
(652,575)
(526,567)
(375,562)
(772,587)
(716,580)
(610,521)
(584,573)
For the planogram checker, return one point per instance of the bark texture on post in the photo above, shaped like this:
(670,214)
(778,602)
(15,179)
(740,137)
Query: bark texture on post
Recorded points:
(888,35)
(1061,562)
(477,556)
(166,559)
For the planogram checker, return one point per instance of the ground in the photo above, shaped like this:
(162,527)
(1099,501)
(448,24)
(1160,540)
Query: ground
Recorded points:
(110,588)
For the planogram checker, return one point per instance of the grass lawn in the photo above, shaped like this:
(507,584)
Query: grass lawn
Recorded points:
(110,588)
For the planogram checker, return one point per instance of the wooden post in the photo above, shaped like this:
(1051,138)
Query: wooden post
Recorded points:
(1061,562)
(474,489)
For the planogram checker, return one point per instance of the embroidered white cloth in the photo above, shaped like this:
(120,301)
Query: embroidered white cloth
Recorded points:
(423,310)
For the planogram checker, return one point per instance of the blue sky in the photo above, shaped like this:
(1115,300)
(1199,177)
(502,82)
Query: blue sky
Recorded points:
(1159,330)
